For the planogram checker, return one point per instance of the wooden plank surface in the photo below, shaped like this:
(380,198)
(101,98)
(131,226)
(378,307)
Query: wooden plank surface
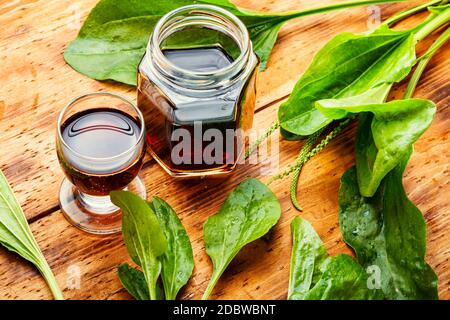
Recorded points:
(35,83)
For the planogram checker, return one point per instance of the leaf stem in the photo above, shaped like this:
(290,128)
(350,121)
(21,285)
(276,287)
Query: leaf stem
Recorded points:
(339,6)
(409,12)
(212,283)
(433,24)
(324,9)
(150,279)
(152,291)
(424,60)
(47,273)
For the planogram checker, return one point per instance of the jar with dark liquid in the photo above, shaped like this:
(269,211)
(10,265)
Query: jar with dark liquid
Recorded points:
(196,89)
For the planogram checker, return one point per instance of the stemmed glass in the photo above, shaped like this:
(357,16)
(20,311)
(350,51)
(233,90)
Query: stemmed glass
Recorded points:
(100,147)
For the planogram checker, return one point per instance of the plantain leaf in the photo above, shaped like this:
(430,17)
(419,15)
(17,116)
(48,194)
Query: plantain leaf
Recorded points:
(343,279)
(388,233)
(143,236)
(308,261)
(16,236)
(248,213)
(316,276)
(352,67)
(384,138)
(134,282)
(177,261)
(113,39)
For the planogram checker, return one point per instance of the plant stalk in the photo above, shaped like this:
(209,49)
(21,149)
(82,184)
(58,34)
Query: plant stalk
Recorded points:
(212,283)
(47,273)
(301,159)
(339,6)
(150,280)
(405,14)
(152,291)
(424,60)
(433,24)
(324,9)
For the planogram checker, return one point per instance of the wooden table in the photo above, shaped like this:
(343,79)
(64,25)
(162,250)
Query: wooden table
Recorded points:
(35,83)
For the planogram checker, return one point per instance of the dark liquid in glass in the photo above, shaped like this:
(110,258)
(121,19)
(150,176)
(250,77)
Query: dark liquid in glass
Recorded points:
(97,134)
(224,113)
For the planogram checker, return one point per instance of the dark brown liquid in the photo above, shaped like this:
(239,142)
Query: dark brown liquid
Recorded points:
(98,134)
(221,113)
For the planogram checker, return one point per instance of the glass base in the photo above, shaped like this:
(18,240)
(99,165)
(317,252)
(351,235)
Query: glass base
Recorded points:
(93,214)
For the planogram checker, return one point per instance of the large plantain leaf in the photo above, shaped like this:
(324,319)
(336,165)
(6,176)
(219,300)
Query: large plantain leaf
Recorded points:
(308,261)
(383,139)
(348,66)
(143,236)
(16,236)
(113,39)
(178,260)
(316,276)
(343,279)
(134,282)
(388,232)
(247,214)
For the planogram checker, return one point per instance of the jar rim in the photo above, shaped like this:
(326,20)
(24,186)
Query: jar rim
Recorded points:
(170,68)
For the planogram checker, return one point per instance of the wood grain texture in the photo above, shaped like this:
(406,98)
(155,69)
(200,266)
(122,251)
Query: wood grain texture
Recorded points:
(35,83)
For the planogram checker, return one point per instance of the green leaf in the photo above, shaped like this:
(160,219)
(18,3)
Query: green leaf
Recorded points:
(248,213)
(143,236)
(224,4)
(113,39)
(308,260)
(423,63)
(264,40)
(157,241)
(134,282)
(177,261)
(439,9)
(316,276)
(16,236)
(384,138)
(387,231)
(342,279)
(350,66)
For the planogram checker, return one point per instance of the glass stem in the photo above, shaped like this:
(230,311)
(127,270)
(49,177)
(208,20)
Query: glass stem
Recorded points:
(98,204)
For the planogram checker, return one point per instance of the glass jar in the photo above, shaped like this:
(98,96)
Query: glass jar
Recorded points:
(197,90)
